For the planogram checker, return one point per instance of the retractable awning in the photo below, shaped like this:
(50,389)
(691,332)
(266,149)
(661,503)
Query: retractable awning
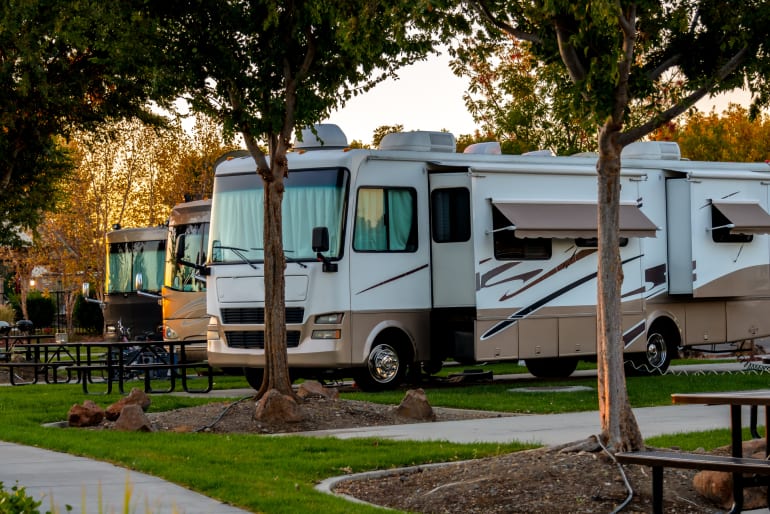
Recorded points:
(565,220)
(745,217)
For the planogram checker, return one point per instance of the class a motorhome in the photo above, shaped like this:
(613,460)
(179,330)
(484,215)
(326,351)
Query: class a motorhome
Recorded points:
(133,280)
(400,258)
(184,288)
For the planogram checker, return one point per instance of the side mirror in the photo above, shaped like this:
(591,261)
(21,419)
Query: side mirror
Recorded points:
(320,244)
(138,282)
(320,239)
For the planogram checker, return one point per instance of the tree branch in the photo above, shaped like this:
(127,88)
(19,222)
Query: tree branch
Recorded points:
(674,111)
(569,56)
(483,9)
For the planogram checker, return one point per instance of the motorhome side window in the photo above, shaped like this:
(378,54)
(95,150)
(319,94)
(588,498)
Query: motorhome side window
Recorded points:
(509,247)
(386,220)
(450,215)
(723,234)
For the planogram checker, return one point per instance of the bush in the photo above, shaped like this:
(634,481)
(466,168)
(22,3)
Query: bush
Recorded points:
(8,313)
(41,309)
(16,501)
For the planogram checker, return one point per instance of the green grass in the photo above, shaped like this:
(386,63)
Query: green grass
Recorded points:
(258,473)
(507,397)
(277,474)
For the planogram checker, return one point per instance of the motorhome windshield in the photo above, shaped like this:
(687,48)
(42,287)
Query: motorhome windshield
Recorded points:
(127,259)
(313,198)
(187,244)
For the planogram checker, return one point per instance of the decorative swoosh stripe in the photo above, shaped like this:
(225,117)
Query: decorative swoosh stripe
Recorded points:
(559,267)
(393,279)
(630,335)
(526,311)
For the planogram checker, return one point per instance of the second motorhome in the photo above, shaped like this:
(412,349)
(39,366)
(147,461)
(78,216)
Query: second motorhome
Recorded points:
(184,289)
(403,257)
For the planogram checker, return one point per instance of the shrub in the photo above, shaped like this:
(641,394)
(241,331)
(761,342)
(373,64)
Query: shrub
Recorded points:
(8,313)
(41,309)
(16,501)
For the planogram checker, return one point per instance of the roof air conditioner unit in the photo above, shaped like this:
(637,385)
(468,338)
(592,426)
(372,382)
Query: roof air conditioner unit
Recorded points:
(654,150)
(419,141)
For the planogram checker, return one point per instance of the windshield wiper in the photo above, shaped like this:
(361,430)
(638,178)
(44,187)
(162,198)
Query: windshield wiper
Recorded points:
(239,252)
(288,259)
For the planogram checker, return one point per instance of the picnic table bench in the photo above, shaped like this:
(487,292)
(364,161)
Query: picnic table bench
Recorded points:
(660,459)
(746,471)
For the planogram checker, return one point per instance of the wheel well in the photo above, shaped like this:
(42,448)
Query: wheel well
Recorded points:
(668,329)
(398,339)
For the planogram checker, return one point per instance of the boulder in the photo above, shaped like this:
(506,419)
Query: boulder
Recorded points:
(135,397)
(87,415)
(314,389)
(133,419)
(415,406)
(717,486)
(274,406)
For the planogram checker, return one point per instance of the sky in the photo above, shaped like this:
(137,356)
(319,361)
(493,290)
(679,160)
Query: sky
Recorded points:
(428,96)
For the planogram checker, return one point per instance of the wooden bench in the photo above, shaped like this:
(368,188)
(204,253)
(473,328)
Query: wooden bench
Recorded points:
(147,368)
(738,466)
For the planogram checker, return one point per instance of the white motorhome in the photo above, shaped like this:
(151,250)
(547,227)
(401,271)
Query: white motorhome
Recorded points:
(402,257)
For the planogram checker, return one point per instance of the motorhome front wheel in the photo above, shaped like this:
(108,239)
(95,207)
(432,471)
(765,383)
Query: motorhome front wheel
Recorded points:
(384,369)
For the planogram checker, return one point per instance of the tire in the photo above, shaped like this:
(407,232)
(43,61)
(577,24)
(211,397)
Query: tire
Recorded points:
(385,368)
(655,361)
(254,377)
(432,367)
(552,367)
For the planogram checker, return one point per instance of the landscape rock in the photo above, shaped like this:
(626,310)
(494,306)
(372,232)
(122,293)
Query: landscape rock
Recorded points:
(274,406)
(133,419)
(314,389)
(135,397)
(87,415)
(717,486)
(415,406)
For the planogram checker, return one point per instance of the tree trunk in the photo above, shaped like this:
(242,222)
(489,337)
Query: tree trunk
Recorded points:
(276,365)
(620,431)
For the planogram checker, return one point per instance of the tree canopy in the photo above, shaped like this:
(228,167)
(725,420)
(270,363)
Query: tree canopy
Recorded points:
(64,65)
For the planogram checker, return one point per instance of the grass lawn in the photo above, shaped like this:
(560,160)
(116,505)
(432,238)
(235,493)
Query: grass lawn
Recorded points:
(277,474)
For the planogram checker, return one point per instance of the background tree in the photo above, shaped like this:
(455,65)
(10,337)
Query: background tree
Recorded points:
(732,136)
(616,53)
(63,65)
(265,69)
(130,174)
(517,100)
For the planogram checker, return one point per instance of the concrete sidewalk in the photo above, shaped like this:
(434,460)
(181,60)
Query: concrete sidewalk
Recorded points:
(60,479)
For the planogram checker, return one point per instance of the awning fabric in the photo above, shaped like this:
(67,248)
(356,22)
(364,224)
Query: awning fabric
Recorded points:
(746,217)
(565,220)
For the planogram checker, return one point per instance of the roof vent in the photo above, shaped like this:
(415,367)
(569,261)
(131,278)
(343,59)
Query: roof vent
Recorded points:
(653,150)
(539,153)
(488,148)
(419,141)
(327,137)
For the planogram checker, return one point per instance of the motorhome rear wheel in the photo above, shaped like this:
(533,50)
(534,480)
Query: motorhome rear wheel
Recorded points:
(552,367)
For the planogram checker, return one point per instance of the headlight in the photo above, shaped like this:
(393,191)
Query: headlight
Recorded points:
(326,334)
(335,318)
(170,333)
